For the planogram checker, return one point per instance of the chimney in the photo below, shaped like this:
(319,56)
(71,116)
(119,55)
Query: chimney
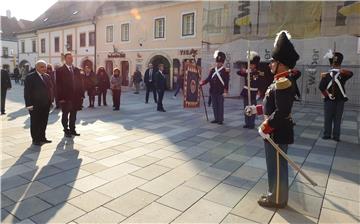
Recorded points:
(8,13)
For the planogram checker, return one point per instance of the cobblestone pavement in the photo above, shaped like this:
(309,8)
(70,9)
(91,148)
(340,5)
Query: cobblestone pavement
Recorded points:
(139,165)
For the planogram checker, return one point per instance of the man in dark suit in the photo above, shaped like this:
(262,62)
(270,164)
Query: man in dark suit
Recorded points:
(5,86)
(37,94)
(149,82)
(160,84)
(70,93)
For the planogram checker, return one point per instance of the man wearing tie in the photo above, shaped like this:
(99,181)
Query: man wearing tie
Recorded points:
(70,93)
(37,94)
(149,82)
(160,84)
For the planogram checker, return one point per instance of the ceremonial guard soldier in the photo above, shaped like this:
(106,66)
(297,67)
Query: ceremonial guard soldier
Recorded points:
(278,124)
(219,85)
(252,89)
(332,87)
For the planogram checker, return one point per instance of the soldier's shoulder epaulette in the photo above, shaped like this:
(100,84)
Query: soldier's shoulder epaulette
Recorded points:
(282,83)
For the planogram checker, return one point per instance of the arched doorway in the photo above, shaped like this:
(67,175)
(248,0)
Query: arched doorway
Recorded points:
(88,63)
(159,59)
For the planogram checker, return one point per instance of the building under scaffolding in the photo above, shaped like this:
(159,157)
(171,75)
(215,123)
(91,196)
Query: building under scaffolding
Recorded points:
(316,27)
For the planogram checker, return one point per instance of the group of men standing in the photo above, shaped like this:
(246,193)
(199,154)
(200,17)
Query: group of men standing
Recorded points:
(38,98)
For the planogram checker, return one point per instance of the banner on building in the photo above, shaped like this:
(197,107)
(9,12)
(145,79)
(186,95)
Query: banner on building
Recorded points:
(192,86)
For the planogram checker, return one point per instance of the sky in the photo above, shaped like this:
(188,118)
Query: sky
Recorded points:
(25,9)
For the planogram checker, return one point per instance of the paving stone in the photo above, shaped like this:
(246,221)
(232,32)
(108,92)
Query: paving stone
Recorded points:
(59,195)
(155,212)
(5,201)
(170,162)
(203,212)
(122,186)
(100,215)
(181,198)
(6,217)
(61,213)
(131,202)
(143,161)
(26,191)
(289,216)
(350,207)
(12,182)
(330,216)
(202,183)
(230,218)
(305,204)
(150,172)
(308,189)
(225,194)
(245,177)
(38,174)
(28,207)
(116,171)
(93,167)
(90,200)
(87,183)
(249,208)
(64,177)
(346,190)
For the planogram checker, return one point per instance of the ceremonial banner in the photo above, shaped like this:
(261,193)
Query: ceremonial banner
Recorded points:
(191,87)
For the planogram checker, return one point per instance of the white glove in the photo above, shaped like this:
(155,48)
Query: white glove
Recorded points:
(262,134)
(30,108)
(331,97)
(250,110)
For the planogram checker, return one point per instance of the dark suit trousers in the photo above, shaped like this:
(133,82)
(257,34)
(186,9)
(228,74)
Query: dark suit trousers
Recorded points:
(160,99)
(333,111)
(218,106)
(103,94)
(116,94)
(3,97)
(38,122)
(68,116)
(150,87)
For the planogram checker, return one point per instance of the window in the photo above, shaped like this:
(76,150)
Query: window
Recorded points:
(57,44)
(109,34)
(125,29)
(91,38)
(33,45)
(82,39)
(5,52)
(42,45)
(340,18)
(188,24)
(214,21)
(22,46)
(159,31)
(69,43)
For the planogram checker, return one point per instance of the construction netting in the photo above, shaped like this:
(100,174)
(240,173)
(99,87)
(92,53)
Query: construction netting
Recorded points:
(315,26)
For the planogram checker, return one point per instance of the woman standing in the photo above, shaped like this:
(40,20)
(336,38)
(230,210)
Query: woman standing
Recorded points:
(115,85)
(90,82)
(103,85)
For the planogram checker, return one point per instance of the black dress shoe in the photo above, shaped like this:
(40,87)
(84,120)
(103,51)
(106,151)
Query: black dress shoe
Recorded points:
(214,122)
(220,122)
(326,137)
(336,139)
(74,133)
(46,141)
(246,126)
(265,202)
